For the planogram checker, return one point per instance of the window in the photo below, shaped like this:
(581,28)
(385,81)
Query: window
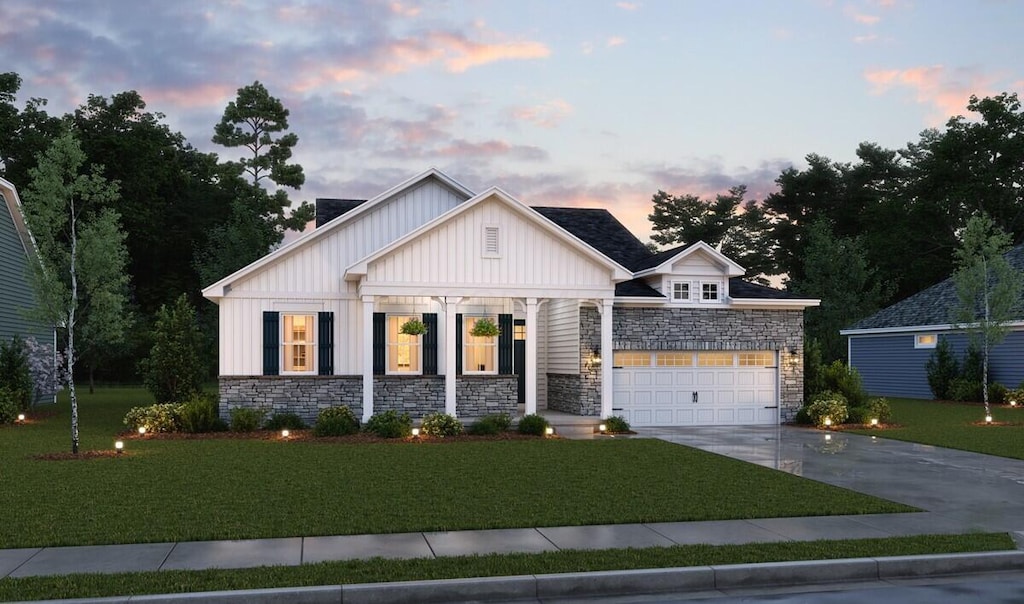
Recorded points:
(519,332)
(297,343)
(756,359)
(491,242)
(715,359)
(675,359)
(926,340)
(709,292)
(680,291)
(403,349)
(628,358)
(479,354)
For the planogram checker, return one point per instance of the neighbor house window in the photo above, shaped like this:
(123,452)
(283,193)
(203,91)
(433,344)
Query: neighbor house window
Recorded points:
(680,291)
(403,349)
(926,340)
(709,292)
(297,343)
(479,353)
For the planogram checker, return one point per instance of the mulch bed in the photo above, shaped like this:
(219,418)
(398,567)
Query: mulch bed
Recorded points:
(81,455)
(307,436)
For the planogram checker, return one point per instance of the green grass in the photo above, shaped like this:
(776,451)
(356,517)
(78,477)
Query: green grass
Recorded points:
(952,425)
(379,570)
(186,490)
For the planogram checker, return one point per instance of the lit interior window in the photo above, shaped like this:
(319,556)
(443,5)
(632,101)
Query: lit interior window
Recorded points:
(479,354)
(403,349)
(297,343)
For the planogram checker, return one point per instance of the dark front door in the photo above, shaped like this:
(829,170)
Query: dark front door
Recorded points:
(519,355)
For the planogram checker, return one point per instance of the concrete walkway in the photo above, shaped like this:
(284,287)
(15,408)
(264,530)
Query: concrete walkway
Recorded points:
(961,492)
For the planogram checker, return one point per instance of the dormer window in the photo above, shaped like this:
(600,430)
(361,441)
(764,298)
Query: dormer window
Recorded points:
(709,292)
(680,291)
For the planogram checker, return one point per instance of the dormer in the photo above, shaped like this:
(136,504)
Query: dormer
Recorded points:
(691,275)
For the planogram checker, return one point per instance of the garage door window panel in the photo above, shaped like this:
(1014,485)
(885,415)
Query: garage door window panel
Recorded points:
(675,359)
(631,359)
(715,359)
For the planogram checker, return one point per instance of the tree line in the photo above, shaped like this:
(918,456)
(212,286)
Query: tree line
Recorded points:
(865,234)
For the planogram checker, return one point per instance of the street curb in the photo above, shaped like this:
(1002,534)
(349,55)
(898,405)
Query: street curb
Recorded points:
(608,583)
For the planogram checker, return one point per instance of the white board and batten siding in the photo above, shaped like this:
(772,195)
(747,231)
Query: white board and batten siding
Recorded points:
(310,278)
(452,256)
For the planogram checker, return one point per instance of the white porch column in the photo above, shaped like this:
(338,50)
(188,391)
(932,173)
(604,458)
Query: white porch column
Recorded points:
(367,357)
(449,355)
(606,359)
(530,382)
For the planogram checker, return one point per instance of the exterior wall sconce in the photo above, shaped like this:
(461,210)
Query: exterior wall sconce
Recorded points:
(594,361)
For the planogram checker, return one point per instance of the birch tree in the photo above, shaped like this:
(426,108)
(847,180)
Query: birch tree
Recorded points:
(80,280)
(988,289)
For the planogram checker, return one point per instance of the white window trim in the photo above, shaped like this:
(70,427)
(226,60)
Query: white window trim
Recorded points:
(918,336)
(315,339)
(484,252)
(719,294)
(465,333)
(388,344)
(672,291)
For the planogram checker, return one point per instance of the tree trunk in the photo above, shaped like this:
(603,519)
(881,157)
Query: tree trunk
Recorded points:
(71,334)
(92,378)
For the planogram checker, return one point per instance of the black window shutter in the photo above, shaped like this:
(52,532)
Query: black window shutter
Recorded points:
(380,343)
(430,344)
(505,345)
(271,342)
(325,364)
(458,344)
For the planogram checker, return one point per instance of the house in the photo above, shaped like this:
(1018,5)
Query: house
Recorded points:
(17,252)
(891,348)
(592,322)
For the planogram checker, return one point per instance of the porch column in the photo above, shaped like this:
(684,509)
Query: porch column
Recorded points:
(530,383)
(606,359)
(449,355)
(367,357)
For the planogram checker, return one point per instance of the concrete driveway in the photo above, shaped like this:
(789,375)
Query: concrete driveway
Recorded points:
(962,491)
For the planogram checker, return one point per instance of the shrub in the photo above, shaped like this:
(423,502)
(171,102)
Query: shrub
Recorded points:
(390,424)
(284,421)
(161,417)
(336,421)
(174,369)
(491,424)
(827,405)
(802,417)
(616,424)
(246,419)
(942,369)
(14,372)
(8,406)
(839,377)
(879,409)
(441,425)
(997,393)
(200,414)
(858,415)
(533,424)
(965,390)
(1015,396)
(973,367)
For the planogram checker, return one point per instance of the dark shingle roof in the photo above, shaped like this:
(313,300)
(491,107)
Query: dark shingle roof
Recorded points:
(738,288)
(329,209)
(636,288)
(655,259)
(602,231)
(932,306)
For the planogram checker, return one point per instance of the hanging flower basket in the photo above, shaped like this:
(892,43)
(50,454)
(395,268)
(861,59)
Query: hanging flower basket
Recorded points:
(413,327)
(484,328)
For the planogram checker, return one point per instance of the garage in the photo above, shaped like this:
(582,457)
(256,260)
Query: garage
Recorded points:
(696,388)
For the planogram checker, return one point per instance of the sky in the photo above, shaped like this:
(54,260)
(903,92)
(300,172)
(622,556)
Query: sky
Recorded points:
(590,103)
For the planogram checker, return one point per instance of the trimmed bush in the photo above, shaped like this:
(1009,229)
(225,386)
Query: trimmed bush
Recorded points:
(879,409)
(8,406)
(246,419)
(802,418)
(161,417)
(616,424)
(336,421)
(490,425)
(997,393)
(200,414)
(441,425)
(174,370)
(533,424)
(838,377)
(284,421)
(965,390)
(14,372)
(828,405)
(1015,396)
(390,424)
(942,368)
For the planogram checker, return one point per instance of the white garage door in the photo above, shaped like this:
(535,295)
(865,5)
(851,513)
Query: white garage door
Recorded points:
(683,388)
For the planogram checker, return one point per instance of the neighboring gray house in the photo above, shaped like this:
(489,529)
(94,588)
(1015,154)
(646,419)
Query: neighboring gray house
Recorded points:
(592,322)
(17,250)
(890,348)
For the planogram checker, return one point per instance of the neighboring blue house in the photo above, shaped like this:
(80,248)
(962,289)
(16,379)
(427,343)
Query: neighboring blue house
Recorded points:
(16,297)
(890,348)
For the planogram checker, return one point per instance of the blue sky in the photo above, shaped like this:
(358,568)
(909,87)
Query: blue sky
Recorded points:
(591,103)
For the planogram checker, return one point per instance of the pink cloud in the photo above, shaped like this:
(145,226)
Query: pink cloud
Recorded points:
(615,41)
(946,91)
(182,97)
(490,148)
(545,115)
(404,10)
(627,5)
(461,53)
(859,17)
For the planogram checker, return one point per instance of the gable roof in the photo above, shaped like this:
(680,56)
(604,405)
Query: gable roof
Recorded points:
(602,231)
(929,307)
(10,195)
(662,261)
(217,289)
(619,272)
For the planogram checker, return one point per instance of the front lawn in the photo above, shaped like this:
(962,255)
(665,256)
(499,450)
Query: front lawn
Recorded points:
(185,490)
(494,565)
(957,426)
